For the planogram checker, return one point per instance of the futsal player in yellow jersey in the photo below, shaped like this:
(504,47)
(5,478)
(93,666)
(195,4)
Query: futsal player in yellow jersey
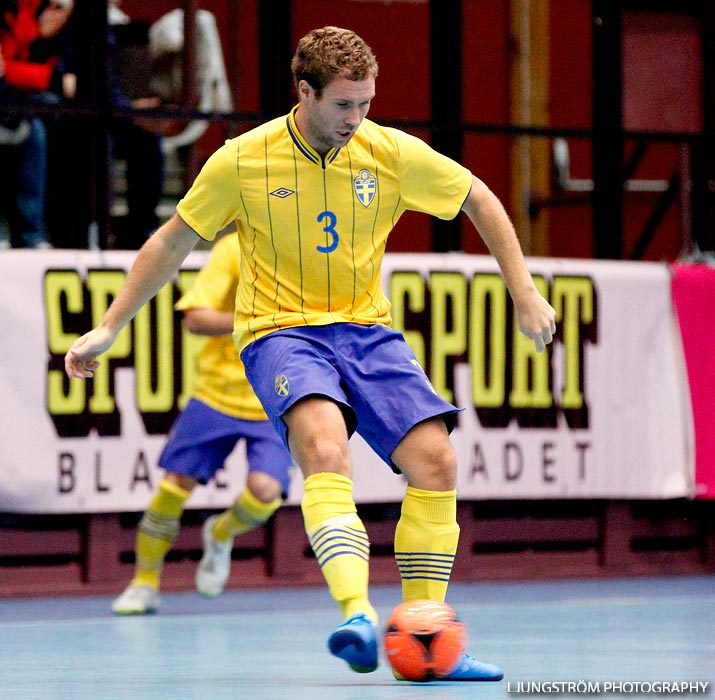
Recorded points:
(223,410)
(315,195)
(314,227)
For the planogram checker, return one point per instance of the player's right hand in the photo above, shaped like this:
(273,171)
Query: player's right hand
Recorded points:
(81,358)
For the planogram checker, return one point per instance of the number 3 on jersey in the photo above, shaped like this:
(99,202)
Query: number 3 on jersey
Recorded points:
(329,220)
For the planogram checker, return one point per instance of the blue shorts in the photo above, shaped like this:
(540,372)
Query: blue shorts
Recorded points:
(369,371)
(201,439)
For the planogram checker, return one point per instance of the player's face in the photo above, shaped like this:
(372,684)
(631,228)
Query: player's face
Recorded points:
(329,121)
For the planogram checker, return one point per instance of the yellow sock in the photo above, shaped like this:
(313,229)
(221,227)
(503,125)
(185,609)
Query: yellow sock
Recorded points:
(246,513)
(157,531)
(338,538)
(426,540)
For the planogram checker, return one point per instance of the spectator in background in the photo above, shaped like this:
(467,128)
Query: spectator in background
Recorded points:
(33,46)
(136,141)
(152,77)
(212,91)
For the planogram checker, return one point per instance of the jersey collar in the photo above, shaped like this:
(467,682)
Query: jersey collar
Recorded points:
(304,147)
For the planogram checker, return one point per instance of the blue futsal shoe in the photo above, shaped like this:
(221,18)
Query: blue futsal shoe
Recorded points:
(355,641)
(469,669)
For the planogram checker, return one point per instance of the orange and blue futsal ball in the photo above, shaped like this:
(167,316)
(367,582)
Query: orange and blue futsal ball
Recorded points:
(423,640)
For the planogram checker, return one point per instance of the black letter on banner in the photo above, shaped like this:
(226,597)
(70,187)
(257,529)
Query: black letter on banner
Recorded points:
(141,471)
(582,447)
(509,449)
(67,316)
(479,464)
(66,481)
(547,461)
(98,485)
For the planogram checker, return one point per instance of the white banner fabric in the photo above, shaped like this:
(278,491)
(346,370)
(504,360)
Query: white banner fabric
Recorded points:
(603,414)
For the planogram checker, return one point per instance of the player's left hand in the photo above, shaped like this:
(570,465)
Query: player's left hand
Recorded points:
(537,321)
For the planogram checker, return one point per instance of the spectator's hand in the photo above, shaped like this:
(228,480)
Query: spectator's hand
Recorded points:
(146,103)
(81,360)
(69,86)
(53,18)
(147,123)
(2,66)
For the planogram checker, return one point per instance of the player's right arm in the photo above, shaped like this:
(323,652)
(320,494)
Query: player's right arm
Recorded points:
(208,307)
(207,321)
(157,261)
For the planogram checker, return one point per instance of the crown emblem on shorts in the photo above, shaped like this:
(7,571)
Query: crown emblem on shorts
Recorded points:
(280,385)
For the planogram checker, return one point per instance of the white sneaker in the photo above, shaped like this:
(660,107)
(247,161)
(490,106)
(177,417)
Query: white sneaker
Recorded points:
(215,565)
(136,600)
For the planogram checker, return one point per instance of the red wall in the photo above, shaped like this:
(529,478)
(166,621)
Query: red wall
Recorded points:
(399,33)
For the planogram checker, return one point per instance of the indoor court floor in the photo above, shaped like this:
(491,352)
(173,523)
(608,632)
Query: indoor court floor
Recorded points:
(270,644)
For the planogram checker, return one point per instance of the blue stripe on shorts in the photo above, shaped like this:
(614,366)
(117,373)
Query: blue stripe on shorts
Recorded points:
(369,371)
(201,439)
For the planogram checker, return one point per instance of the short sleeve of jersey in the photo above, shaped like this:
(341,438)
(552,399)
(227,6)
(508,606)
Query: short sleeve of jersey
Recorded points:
(213,199)
(429,181)
(215,284)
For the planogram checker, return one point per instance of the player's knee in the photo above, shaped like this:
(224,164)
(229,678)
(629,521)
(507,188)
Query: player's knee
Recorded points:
(440,469)
(188,483)
(321,453)
(433,468)
(264,487)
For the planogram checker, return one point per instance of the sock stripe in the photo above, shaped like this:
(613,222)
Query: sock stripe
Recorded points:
(339,541)
(159,527)
(330,542)
(343,546)
(243,516)
(424,556)
(424,565)
(346,544)
(318,537)
(323,562)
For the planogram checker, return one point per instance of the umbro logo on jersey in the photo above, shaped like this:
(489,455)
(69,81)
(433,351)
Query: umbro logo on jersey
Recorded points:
(365,185)
(282,192)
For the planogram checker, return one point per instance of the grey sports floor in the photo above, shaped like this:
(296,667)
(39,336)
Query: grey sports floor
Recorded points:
(262,645)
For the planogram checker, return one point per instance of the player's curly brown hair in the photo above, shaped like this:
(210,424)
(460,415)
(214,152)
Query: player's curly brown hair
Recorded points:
(326,53)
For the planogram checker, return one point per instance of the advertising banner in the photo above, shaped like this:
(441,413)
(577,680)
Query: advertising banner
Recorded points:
(604,413)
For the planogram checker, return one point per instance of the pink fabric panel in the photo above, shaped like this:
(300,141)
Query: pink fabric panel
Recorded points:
(694,298)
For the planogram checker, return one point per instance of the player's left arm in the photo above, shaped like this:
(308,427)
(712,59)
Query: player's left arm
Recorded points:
(535,316)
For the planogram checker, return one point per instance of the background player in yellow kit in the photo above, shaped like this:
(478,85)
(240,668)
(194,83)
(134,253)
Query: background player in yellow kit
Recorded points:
(222,411)
(315,195)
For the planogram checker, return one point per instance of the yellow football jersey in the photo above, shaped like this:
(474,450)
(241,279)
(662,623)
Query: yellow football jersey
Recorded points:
(313,229)
(220,380)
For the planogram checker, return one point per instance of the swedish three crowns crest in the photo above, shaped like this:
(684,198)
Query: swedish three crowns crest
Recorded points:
(365,185)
